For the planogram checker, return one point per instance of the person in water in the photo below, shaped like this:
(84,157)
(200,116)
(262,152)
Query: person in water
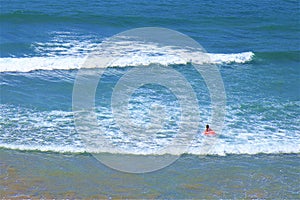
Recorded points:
(207,128)
(209,131)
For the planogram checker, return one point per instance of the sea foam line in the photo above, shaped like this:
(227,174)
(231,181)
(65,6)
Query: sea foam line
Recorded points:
(218,149)
(28,64)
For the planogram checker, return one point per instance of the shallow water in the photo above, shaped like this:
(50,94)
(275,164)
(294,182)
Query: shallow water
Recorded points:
(53,175)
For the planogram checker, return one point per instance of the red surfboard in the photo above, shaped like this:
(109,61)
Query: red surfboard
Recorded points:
(211,132)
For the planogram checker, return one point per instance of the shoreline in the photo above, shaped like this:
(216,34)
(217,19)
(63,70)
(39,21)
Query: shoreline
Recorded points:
(48,175)
(127,154)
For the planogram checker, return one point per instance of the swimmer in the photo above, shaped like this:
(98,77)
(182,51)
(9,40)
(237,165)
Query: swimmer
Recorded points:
(209,131)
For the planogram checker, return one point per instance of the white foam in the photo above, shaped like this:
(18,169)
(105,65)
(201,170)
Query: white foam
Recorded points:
(216,149)
(231,58)
(66,44)
(44,148)
(28,64)
(59,125)
(39,63)
(67,51)
(222,148)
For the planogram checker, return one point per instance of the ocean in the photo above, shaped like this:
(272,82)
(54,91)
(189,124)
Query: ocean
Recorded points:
(129,123)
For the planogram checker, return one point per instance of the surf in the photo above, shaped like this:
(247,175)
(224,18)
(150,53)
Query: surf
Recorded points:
(28,64)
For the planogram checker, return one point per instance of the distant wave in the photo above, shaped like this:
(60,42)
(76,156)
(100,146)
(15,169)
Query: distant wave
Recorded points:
(39,63)
(231,58)
(28,64)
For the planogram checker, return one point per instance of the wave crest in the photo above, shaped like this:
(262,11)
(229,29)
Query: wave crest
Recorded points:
(28,64)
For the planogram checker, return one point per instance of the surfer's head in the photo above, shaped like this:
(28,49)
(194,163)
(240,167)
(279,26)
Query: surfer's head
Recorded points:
(207,126)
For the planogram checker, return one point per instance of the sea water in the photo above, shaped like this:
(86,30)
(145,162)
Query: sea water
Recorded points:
(254,45)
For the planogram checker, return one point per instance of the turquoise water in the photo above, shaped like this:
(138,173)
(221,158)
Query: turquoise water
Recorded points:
(254,45)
